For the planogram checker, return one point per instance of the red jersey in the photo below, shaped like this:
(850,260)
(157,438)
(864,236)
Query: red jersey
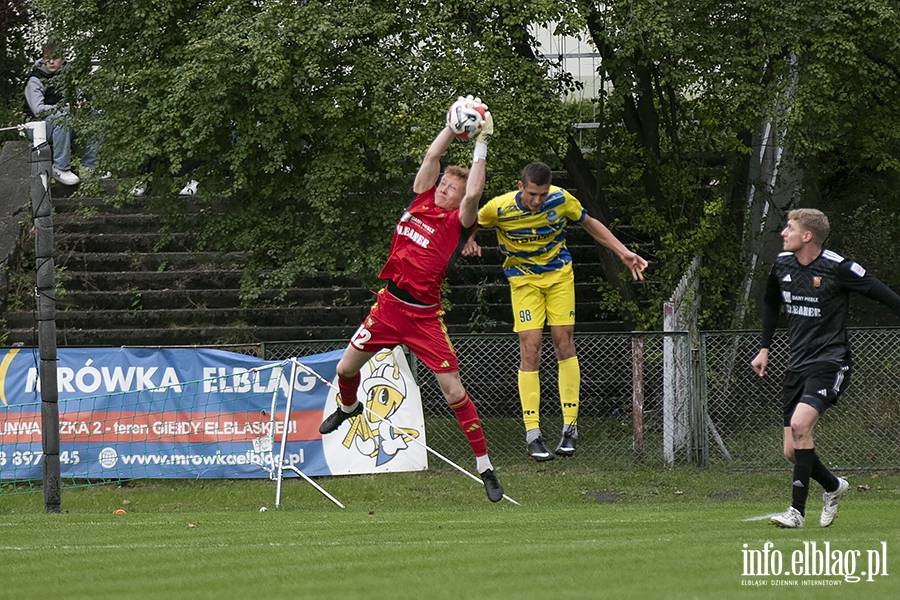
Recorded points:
(426,241)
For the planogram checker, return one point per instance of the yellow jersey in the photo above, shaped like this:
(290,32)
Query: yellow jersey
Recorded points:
(532,242)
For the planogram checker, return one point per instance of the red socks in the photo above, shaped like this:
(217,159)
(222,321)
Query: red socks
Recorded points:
(347,388)
(467,416)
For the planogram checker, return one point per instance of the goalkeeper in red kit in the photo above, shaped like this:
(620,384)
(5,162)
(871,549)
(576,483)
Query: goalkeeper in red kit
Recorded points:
(425,243)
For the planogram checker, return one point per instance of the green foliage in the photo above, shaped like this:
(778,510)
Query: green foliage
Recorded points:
(17,54)
(305,121)
(20,289)
(860,227)
(479,320)
(687,80)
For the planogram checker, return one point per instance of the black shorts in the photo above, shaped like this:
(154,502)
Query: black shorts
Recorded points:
(819,387)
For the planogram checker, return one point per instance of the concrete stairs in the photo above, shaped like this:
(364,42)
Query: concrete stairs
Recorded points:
(126,283)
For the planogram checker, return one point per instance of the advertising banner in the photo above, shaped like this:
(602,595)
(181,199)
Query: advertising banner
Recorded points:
(128,413)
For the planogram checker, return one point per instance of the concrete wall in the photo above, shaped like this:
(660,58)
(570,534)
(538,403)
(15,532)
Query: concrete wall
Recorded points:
(14,201)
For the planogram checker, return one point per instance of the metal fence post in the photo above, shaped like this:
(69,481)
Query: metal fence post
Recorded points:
(637,396)
(45,298)
(699,415)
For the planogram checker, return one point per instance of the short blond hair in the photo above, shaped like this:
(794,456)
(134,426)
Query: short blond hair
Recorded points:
(811,220)
(455,171)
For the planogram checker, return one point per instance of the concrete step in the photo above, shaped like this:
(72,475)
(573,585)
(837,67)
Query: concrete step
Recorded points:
(156,299)
(185,335)
(89,205)
(105,223)
(128,281)
(197,317)
(122,242)
(149,261)
(128,284)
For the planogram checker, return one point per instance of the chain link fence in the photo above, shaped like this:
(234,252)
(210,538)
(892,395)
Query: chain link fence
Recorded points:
(654,399)
(650,399)
(861,432)
(618,373)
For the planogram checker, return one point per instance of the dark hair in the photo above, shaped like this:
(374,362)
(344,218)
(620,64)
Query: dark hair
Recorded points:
(51,50)
(537,173)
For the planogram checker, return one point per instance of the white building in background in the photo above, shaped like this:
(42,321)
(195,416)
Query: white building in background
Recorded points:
(579,58)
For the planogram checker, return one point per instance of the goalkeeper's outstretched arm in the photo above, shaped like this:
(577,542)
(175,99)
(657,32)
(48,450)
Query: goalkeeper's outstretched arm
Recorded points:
(431,164)
(468,208)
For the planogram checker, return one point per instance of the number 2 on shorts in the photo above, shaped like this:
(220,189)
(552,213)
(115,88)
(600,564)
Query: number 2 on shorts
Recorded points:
(360,338)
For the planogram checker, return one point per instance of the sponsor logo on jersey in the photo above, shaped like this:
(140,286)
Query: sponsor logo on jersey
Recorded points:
(823,392)
(422,224)
(803,311)
(786,296)
(857,270)
(786,278)
(415,236)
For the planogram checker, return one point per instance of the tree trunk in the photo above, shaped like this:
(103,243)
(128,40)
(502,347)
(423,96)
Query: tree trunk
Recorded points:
(591,196)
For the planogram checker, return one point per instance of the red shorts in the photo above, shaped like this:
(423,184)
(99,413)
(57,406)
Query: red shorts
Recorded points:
(392,322)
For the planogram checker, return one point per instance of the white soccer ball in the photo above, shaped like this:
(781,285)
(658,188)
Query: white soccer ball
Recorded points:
(465,118)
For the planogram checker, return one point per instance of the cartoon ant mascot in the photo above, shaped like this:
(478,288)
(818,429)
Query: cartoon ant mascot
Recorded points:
(385,391)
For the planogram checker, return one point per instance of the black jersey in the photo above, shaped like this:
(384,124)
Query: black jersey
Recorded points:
(815,298)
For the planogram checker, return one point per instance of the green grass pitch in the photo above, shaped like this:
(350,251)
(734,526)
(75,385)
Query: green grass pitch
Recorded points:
(579,533)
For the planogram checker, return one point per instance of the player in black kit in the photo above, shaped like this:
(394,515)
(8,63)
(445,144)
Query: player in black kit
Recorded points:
(814,286)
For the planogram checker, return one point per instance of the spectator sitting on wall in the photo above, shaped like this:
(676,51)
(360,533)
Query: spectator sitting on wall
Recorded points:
(44,100)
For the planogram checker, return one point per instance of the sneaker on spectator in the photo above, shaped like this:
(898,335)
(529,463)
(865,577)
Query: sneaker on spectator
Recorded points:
(138,190)
(190,189)
(66,177)
(89,171)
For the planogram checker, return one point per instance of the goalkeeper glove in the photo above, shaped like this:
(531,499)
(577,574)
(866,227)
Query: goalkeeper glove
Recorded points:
(487,128)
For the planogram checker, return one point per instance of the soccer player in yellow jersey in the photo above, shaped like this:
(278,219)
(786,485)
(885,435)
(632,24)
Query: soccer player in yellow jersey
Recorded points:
(531,231)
